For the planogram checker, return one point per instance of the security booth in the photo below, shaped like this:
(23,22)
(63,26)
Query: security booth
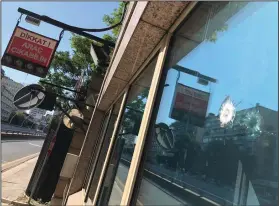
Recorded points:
(185,115)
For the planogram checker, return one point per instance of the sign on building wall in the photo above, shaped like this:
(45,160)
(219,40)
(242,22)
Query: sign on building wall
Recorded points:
(29,52)
(189,105)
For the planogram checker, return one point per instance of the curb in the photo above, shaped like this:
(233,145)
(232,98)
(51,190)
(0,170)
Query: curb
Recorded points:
(9,165)
(14,202)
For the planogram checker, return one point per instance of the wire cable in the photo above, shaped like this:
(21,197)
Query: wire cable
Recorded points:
(108,28)
(92,30)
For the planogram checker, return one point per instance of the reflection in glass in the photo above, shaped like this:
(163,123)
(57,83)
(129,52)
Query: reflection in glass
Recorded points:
(116,175)
(215,138)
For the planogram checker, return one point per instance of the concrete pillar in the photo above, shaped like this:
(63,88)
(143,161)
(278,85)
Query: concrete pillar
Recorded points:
(71,160)
(79,150)
(93,186)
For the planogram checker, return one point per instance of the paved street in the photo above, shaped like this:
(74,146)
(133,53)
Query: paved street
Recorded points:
(15,149)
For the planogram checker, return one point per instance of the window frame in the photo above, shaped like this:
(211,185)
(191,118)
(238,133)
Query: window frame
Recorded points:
(111,146)
(119,120)
(132,178)
(136,159)
(132,197)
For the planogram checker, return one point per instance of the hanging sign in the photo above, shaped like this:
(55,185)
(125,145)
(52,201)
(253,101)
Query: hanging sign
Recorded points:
(189,105)
(29,52)
(29,97)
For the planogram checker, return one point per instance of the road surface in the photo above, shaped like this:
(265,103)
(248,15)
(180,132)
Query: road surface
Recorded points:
(15,149)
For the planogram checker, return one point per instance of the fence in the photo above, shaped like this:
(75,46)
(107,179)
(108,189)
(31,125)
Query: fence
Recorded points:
(11,130)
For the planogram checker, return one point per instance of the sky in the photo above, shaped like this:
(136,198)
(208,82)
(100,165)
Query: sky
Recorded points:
(80,14)
(244,60)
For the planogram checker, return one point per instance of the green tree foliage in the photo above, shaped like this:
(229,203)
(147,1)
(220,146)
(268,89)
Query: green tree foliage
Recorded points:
(67,66)
(134,111)
(214,35)
(231,8)
(17,118)
(113,19)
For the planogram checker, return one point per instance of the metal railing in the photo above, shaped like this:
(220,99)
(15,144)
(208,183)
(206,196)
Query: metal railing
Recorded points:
(7,129)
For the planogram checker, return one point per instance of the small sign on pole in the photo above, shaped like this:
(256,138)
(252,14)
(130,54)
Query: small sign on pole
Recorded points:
(29,52)
(32,20)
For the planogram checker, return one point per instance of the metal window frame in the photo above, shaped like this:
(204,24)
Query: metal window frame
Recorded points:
(132,173)
(178,23)
(162,48)
(154,56)
(120,115)
(111,146)
(148,112)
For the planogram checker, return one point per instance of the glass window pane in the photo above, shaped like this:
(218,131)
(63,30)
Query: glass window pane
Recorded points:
(215,138)
(116,175)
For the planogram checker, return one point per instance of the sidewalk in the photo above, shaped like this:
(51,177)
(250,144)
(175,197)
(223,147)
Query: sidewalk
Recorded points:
(15,180)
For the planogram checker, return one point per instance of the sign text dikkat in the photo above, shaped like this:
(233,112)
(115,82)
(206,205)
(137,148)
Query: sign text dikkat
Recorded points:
(29,52)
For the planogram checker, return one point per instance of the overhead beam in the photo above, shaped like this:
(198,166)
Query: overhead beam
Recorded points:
(194,73)
(65,27)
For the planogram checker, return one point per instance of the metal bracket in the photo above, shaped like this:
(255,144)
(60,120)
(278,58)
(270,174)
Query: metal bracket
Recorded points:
(67,98)
(61,109)
(78,125)
(65,88)
(65,27)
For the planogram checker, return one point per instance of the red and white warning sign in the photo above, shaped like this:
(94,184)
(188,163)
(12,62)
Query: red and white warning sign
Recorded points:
(189,105)
(29,52)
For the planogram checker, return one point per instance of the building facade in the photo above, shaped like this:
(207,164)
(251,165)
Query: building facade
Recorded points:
(37,113)
(255,132)
(8,90)
(213,50)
